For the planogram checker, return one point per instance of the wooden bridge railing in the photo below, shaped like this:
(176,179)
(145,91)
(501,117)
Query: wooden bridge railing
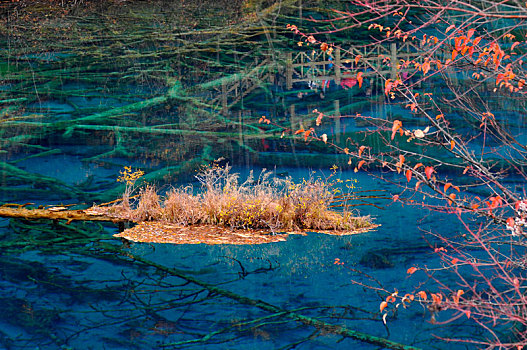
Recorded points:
(319,66)
(314,66)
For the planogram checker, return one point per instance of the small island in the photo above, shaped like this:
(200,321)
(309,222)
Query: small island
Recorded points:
(224,210)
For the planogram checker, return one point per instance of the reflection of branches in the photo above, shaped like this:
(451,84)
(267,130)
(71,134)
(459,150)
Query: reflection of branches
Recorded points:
(244,273)
(145,301)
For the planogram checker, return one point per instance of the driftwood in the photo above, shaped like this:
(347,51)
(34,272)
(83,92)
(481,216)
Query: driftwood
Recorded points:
(52,213)
(159,231)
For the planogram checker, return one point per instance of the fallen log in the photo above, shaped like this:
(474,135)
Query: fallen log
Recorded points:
(53,213)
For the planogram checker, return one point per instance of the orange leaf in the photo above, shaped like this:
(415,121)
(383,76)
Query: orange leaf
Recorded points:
(357,58)
(422,295)
(361,149)
(428,171)
(411,270)
(383,305)
(417,184)
(467,169)
(307,133)
(361,163)
(454,54)
(447,186)
(514,45)
(396,126)
(470,33)
(299,131)
(510,222)
(408,175)
(418,165)
(437,298)
(452,197)
(359,79)
(452,144)
(455,261)
(425,67)
(388,86)
(439,116)
(401,159)
(476,41)
(474,206)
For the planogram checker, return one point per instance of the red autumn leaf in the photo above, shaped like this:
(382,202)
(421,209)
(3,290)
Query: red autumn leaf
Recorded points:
(390,298)
(359,79)
(361,149)
(437,298)
(422,295)
(447,186)
(467,169)
(510,222)
(470,33)
(411,270)
(361,163)
(357,58)
(408,175)
(454,54)
(299,131)
(388,86)
(425,67)
(428,171)
(397,124)
(418,165)
(451,197)
(324,47)
(514,45)
(417,184)
(455,261)
(307,133)
(476,41)
(395,197)
(383,305)
(452,145)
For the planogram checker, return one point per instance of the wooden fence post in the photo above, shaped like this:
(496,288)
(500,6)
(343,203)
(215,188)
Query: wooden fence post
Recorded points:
(393,60)
(336,114)
(337,66)
(289,71)
(224,105)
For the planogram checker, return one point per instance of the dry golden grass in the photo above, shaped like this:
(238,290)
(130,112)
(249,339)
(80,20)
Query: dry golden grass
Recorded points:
(266,202)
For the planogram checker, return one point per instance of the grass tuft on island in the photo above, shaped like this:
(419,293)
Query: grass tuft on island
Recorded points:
(225,206)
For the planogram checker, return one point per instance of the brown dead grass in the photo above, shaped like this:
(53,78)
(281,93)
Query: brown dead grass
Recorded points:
(262,203)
